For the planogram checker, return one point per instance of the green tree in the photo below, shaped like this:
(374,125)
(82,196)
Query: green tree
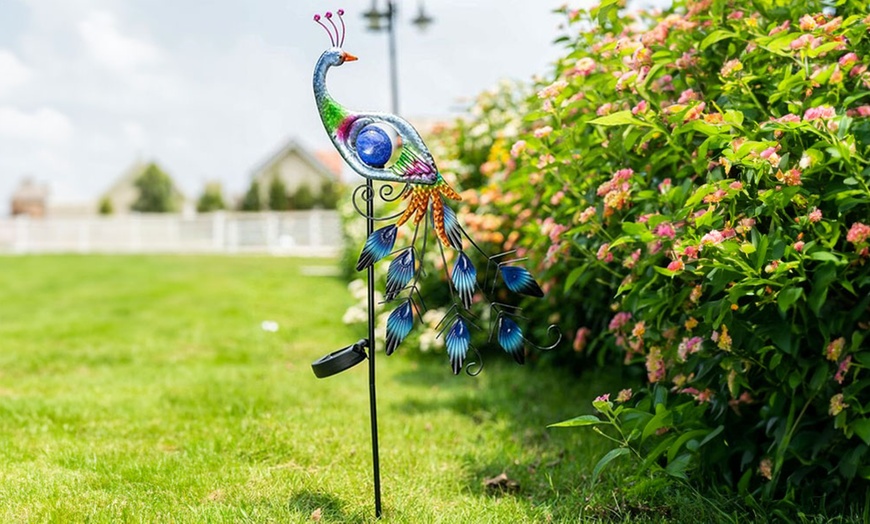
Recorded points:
(328,195)
(212,198)
(252,200)
(155,191)
(106,207)
(278,200)
(303,198)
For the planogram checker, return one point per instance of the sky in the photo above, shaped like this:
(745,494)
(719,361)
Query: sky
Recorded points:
(211,88)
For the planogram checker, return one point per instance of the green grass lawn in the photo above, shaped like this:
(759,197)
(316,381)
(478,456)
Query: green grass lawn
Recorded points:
(143,389)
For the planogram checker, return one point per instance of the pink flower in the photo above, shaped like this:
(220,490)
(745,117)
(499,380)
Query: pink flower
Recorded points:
(639,329)
(798,246)
(808,23)
(603,398)
(834,349)
(545,160)
(689,346)
(694,112)
(542,132)
(780,28)
(730,67)
(687,96)
(665,230)
(848,59)
(581,339)
(837,405)
(641,107)
(815,215)
(676,265)
(604,253)
(518,148)
(861,111)
(655,365)
(712,238)
(823,112)
(619,320)
(556,231)
(557,198)
(587,213)
(736,186)
(690,252)
(623,175)
(585,66)
(624,395)
(792,177)
(843,369)
(715,196)
(604,109)
(858,233)
(552,90)
(665,186)
(665,83)
(767,152)
(736,15)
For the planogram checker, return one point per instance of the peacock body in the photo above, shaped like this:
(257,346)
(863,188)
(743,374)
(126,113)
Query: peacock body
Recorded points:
(385,147)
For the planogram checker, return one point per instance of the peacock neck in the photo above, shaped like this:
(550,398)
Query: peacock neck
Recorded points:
(331,112)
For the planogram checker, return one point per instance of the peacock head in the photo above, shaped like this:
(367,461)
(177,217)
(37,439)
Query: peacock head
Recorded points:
(335,55)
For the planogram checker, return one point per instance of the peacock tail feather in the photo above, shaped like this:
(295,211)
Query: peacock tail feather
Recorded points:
(428,205)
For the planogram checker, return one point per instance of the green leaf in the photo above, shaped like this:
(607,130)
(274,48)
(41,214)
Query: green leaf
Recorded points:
(607,459)
(678,467)
(662,418)
(685,437)
(716,36)
(582,420)
(620,118)
(825,256)
(576,273)
(825,275)
(787,297)
(861,427)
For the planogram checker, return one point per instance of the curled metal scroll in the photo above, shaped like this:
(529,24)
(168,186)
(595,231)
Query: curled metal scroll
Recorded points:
(552,346)
(365,193)
(474,367)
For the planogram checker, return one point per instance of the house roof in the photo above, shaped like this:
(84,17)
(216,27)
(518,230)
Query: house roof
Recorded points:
(29,191)
(325,164)
(129,176)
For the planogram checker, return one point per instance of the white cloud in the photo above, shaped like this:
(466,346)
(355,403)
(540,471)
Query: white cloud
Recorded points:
(110,47)
(12,72)
(44,124)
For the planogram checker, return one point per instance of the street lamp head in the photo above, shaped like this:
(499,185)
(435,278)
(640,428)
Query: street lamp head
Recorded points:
(422,21)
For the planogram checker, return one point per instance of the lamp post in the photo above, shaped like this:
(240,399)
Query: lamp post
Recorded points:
(385,20)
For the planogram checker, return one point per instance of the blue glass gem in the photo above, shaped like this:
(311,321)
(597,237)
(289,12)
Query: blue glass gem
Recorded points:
(376,143)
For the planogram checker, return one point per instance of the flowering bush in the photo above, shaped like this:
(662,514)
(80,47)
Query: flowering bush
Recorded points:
(694,187)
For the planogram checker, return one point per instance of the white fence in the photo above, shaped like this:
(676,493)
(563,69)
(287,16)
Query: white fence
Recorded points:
(294,233)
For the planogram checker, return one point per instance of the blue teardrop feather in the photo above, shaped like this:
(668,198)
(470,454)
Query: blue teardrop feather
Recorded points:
(378,245)
(457,344)
(452,227)
(401,272)
(464,278)
(510,338)
(399,324)
(519,280)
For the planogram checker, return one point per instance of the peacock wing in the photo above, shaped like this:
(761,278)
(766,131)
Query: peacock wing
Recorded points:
(385,147)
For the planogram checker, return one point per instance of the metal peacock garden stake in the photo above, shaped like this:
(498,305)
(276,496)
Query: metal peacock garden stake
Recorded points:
(385,147)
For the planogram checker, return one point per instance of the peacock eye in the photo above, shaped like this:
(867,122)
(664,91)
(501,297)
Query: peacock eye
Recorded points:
(378,145)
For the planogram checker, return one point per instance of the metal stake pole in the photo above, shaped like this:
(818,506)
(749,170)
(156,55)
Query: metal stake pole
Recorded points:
(376,467)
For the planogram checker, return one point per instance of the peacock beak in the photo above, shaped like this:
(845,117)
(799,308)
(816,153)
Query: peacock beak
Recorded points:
(349,57)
